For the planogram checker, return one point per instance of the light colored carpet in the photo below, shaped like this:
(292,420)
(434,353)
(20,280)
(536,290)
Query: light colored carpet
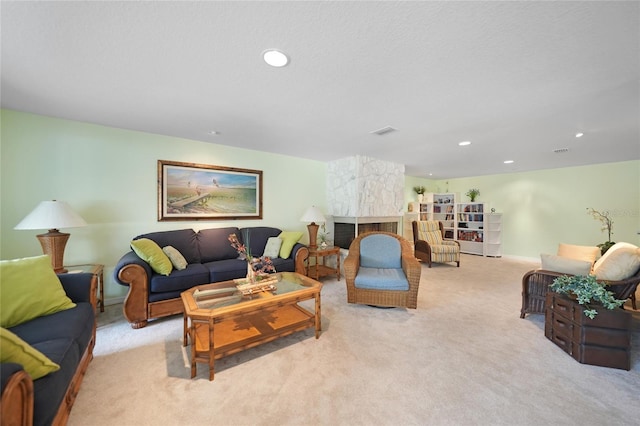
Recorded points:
(464,357)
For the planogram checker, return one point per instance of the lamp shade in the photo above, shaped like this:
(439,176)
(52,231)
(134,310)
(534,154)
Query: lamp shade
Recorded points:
(313,214)
(51,215)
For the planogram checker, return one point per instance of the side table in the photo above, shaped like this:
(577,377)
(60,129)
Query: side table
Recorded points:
(98,274)
(322,269)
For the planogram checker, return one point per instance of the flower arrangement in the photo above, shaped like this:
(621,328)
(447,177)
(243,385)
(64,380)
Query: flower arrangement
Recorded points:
(586,290)
(260,265)
(472,194)
(607,225)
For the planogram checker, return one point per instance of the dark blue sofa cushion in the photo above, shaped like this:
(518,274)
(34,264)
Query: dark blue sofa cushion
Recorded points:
(214,244)
(183,240)
(258,237)
(75,324)
(194,274)
(49,390)
(284,265)
(229,269)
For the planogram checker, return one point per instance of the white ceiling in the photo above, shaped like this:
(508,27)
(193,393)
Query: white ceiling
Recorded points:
(518,79)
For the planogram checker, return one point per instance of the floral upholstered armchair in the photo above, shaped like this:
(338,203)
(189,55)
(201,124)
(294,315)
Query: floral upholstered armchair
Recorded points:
(430,246)
(380,270)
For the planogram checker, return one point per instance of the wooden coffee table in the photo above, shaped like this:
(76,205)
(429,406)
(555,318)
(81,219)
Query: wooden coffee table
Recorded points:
(226,323)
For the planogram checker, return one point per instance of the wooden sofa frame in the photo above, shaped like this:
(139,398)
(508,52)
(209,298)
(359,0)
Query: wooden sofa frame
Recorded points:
(138,310)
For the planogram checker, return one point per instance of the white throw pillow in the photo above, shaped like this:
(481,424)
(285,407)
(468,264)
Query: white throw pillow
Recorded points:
(565,265)
(620,262)
(272,249)
(177,259)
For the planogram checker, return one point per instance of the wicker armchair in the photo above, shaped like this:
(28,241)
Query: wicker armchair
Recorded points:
(430,245)
(535,285)
(379,296)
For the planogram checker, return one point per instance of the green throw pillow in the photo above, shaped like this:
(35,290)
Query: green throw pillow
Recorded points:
(34,362)
(151,253)
(29,289)
(289,239)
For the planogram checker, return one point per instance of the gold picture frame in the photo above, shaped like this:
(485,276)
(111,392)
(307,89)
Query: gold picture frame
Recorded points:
(190,191)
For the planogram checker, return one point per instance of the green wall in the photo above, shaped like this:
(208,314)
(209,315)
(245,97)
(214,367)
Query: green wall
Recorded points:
(545,207)
(109,176)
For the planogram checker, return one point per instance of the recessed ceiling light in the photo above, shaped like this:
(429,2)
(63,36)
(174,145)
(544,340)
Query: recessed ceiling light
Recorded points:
(508,161)
(579,135)
(464,143)
(212,132)
(275,58)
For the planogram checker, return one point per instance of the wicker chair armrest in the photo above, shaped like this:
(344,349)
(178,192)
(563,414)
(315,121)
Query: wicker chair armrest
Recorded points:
(351,266)
(412,269)
(623,289)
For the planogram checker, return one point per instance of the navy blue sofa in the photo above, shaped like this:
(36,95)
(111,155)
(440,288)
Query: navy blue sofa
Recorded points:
(67,338)
(210,258)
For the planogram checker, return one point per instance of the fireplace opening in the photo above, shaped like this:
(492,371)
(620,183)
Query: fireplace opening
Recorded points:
(344,233)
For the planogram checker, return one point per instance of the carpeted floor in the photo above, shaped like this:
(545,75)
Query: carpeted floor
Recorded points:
(464,357)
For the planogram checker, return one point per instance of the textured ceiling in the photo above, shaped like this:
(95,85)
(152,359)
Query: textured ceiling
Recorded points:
(518,79)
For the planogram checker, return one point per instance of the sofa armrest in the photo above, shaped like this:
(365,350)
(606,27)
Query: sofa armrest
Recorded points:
(16,403)
(300,253)
(79,287)
(134,272)
(131,258)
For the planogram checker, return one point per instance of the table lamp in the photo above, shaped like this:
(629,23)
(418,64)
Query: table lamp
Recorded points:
(52,215)
(313,215)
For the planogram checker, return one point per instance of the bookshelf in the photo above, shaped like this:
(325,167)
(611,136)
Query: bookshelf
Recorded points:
(471,228)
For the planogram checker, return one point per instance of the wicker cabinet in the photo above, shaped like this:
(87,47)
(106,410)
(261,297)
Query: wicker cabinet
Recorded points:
(604,341)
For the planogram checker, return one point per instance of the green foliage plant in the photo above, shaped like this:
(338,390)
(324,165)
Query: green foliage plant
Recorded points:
(473,193)
(586,290)
(420,189)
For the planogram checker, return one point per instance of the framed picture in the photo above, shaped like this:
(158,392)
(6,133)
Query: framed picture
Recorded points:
(188,191)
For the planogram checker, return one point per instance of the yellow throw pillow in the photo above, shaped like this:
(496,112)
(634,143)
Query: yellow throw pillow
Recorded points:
(289,239)
(151,253)
(29,289)
(587,253)
(34,362)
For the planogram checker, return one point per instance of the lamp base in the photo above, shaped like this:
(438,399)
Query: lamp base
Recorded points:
(53,244)
(313,235)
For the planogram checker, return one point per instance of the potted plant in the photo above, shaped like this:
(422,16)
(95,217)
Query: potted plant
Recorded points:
(472,194)
(323,236)
(420,190)
(607,225)
(586,290)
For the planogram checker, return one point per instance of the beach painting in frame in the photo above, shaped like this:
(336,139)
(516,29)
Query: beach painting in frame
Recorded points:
(188,191)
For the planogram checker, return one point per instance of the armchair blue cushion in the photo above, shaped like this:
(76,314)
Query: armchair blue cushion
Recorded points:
(380,270)
(380,251)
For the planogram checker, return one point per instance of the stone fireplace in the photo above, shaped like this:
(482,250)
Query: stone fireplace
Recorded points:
(345,229)
(364,194)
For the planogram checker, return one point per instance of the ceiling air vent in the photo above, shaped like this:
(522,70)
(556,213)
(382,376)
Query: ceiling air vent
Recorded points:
(561,150)
(383,131)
